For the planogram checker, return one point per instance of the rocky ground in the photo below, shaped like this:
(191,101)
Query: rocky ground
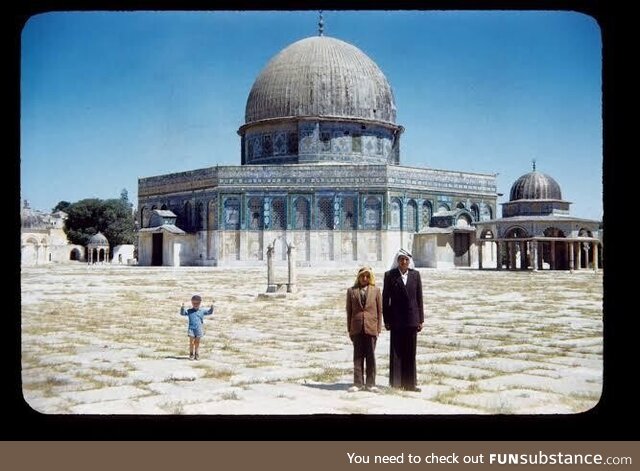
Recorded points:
(107,339)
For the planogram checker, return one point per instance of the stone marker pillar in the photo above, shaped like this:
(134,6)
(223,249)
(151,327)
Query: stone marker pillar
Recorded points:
(534,255)
(293,275)
(271,287)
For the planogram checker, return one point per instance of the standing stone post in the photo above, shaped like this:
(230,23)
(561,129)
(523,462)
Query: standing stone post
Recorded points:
(271,287)
(534,250)
(293,275)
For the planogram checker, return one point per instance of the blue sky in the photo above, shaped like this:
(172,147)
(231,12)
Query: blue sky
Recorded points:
(108,97)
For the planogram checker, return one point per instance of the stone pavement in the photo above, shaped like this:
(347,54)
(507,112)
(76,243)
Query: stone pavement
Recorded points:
(109,340)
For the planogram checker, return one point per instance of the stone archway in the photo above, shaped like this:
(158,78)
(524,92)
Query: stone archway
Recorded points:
(516,253)
(487,249)
(553,253)
(74,255)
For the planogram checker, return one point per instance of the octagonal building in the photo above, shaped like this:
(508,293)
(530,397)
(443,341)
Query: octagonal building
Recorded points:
(320,168)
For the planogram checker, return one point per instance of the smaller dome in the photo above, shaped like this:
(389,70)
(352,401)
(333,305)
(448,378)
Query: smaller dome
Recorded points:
(535,186)
(98,239)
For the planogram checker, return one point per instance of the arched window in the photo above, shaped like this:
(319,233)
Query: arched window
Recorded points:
(585,233)
(395,213)
(349,221)
(188,217)
(463,220)
(278,214)
(199,217)
(411,224)
(486,234)
(442,207)
(232,213)
(372,213)
(213,214)
(427,210)
(292,143)
(460,205)
(301,216)
(267,145)
(144,217)
(256,210)
(325,213)
(516,233)
(475,210)
(163,207)
(553,232)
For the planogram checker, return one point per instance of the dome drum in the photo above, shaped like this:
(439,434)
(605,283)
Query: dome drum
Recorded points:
(306,141)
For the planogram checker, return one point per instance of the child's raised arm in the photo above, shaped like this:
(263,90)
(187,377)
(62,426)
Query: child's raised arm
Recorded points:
(183,311)
(210,311)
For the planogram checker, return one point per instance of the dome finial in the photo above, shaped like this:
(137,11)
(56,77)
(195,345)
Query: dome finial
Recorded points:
(533,164)
(320,25)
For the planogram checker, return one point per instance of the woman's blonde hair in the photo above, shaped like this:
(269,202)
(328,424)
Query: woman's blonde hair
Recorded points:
(372,278)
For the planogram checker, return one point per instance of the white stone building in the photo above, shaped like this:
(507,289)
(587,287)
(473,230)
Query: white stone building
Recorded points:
(43,240)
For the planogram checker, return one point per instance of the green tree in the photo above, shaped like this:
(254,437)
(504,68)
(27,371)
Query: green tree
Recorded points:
(112,217)
(124,197)
(61,206)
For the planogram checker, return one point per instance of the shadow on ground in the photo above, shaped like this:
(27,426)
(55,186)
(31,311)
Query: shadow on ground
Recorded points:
(330,387)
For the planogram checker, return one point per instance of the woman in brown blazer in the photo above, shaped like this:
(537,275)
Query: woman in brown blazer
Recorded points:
(364,323)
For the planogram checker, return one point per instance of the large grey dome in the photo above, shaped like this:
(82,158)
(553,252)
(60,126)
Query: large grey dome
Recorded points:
(321,76)
(98,239)
(535,186)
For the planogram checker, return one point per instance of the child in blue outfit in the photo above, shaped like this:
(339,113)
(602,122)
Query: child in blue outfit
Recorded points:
(196,321)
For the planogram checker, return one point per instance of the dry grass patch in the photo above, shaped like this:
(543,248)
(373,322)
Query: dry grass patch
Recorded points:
(230,396)
(173,407)
(329,374)
(215,373)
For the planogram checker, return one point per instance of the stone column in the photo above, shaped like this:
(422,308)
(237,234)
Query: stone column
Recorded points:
(512,255)
(523,254)
(293,274)
(507,255)
(586,247)
(579,256)
(271,287)
(570,256)
(540,254)
(499,258)
(552,254)
(594,249)
(480,244)
(534,255)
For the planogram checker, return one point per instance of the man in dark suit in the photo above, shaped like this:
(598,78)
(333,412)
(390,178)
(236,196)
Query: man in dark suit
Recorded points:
(403,315)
